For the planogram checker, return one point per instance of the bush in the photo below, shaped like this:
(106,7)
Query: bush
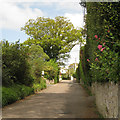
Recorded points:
(39,86)
(77,73)
(105,66)
(14,93)
(21,67)
(15,66)
(65,77)
(52,71)
(37,62)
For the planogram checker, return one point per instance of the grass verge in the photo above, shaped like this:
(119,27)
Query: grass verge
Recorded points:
(17,92)
(14,93)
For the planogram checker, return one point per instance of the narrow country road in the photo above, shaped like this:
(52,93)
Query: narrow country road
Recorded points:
(63,100)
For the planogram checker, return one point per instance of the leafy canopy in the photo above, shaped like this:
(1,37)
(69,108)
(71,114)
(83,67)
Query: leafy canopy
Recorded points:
(56,36)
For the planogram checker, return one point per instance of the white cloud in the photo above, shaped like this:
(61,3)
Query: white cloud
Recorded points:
(71,6)
(40,0)
(76,19)
(14,17)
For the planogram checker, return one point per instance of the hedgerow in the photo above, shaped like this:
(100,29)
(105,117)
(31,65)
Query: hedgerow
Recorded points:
(102,50)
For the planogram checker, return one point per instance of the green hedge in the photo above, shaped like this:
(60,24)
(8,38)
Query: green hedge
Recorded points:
(14,93)
(101,29)
(77,73)
(52,70)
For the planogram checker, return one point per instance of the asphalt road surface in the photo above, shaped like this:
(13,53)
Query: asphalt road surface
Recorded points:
(66,99)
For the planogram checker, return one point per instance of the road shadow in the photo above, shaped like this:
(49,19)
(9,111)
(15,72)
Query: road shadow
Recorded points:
(69,100)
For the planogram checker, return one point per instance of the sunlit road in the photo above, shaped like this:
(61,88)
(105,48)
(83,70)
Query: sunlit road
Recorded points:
(63,100)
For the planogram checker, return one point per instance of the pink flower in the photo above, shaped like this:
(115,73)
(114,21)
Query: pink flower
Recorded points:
(88,60)
(108,31)
(99,47)
(96,59)
(104,43)
(102,49)
(99,38)
(96,36)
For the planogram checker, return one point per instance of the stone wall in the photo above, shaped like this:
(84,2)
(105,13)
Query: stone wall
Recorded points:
(106,96)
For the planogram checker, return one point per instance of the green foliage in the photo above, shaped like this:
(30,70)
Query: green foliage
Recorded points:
(22,65)
(65,77)
(71,69)
(105,67)
(56,36)
(39,86)
(77,73)
(15,68)
(52,71)
(14,93)
(102,28)
(81,72)
(37,60)
(82,76)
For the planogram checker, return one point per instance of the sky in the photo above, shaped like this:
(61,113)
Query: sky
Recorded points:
(15,13)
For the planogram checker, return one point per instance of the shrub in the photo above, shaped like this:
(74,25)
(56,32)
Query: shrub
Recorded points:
(77,73)
(105,66)
(37,62)
(15,67)
(52,71)
(65,77)
(39,86)
(14,93)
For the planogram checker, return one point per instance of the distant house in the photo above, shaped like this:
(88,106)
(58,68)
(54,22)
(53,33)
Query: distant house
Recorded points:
(63,70)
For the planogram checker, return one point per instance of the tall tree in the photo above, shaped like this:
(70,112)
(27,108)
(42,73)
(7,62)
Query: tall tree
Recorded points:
(56,36)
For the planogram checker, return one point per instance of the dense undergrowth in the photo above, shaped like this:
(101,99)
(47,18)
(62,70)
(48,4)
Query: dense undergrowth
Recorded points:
(15,92)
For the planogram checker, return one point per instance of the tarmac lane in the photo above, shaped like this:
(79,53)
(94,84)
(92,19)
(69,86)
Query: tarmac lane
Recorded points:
(66,99)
